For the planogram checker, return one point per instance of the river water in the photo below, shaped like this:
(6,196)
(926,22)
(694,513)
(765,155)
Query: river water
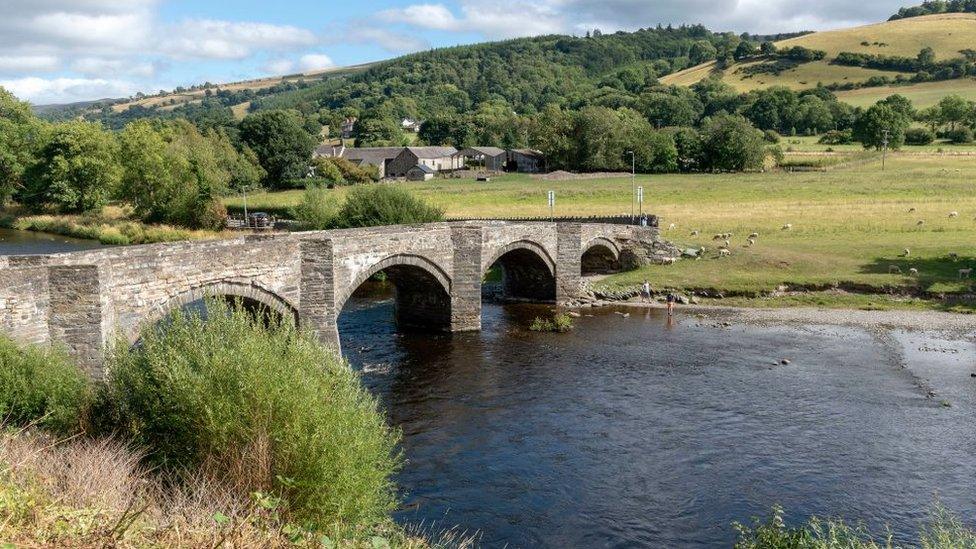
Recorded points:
(633,432)
(27,242)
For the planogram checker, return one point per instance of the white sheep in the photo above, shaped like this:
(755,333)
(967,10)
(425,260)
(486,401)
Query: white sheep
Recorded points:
(953,215)
(695,233)
(907,253)
(724,252)
(672,227)
(913,272)
(788,227)
(728,243)
(754,235)
(751,241)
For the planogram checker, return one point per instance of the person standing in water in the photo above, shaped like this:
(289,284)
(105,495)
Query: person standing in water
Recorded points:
(646,292)
(671,301)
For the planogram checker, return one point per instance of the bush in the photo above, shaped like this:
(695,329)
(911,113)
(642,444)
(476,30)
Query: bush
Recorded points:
(377,205)
(960,135)
(39,385)
(771,136)
(559,323)
(919,136)
(317,210)
(262,407)
(837,137)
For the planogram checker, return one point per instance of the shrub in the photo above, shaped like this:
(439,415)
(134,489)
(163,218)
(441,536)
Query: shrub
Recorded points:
(960,135)
(559,323)
(260,406)
(375,205)
(771,136)
(317,210)
(41,385)
(919,136)
(837,137)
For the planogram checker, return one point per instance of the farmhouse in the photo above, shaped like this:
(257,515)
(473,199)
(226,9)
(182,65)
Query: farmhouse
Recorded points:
(439,159)
(420,172)
(363,156)
(490,158)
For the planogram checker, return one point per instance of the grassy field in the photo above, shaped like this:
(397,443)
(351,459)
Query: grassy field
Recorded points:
(947,34)
(850,224)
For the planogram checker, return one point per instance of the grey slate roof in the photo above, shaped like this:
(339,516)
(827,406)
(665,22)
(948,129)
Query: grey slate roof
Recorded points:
(432,152)
(486,151)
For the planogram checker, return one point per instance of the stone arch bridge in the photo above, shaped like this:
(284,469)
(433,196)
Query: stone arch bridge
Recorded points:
(83,300)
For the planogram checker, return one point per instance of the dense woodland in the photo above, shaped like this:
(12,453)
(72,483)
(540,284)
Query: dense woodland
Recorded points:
(933,7)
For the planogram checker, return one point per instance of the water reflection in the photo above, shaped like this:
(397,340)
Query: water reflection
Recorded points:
(27,242)
(637,431)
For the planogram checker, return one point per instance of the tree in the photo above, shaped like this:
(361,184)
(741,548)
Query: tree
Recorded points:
(953,110)
(280,142)
(901,104)
(730,143)
(871,126)
(926,58)
(20,136)
(551,131)
(76,171)
(767,48)
(744,50)
(702,51)
(676,107)
(379,131)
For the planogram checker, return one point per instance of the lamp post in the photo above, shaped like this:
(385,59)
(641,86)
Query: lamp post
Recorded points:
(633,183)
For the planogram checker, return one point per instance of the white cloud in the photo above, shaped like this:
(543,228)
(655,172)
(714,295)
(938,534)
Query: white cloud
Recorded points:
(315,61)
(278,67)
(28,63)
(428,16)
(499,19)
(391,41)
(59,90)
(99,66)
(214,39)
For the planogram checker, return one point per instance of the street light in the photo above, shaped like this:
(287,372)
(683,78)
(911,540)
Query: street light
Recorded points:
(633,183)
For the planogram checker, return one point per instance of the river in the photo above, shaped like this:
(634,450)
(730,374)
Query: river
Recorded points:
(14,242)
(633,432)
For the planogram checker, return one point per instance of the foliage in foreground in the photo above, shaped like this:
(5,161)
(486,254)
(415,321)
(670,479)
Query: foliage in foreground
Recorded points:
(943,531)
(256,404)
(86,492)
(41,386)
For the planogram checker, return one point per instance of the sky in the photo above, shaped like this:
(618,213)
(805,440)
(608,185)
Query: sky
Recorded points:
(59,51)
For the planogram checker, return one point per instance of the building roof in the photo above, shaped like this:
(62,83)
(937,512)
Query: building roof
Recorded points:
(432,152)
(374,156)
(424,168)
(529,152)
(486,151)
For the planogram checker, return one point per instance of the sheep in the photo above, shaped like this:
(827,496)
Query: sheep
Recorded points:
(913,272)
(965,273)
(751,241)
(669,261)
(728,243)
(920,222)
(953,215)
(907,253)
(672,227)
(719,237)
(788,227)
(695,233)
(912,210)
(953,256)
(894,269)
(754,235)
(724,252)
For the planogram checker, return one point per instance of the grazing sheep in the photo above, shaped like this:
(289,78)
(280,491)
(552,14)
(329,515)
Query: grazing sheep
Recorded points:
(669,261)
(894,269)
(724,252)
(728,243)
(788,227)
(695,233)
(920,222)
(953,215)
(719,237)
(965,273)
(672,227)
(913,272)
(751,241)
(754,235)
(702,251)
(912,210)
(907,253)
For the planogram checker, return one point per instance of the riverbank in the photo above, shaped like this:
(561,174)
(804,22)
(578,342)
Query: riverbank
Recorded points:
(109,227)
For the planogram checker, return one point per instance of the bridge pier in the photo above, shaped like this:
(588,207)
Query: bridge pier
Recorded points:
(568,262)
(76,318)
(317,309)
(466,288)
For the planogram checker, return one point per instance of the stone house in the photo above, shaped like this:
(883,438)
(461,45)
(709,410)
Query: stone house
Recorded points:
(362,156)
(490,158)
(439,159)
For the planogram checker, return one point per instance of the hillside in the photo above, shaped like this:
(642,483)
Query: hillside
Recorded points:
(946,34)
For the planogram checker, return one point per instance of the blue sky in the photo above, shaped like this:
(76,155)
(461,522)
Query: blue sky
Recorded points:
(54,51)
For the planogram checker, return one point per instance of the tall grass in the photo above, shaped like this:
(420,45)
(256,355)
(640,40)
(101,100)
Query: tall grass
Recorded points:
(259,407)
(106,231)
(942,531)
(41,386)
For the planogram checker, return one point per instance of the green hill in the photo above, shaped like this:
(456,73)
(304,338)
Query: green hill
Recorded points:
(947,34)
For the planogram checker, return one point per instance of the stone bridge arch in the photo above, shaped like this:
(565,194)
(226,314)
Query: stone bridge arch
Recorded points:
(251,295)
(528,270)
(422,291)
(600,255)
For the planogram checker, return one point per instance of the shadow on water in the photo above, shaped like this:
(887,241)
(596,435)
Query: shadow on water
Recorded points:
(631,431)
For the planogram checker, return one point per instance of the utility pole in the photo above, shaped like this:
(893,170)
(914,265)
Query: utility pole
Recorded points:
(884,143)
(552,205)
(633,184)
